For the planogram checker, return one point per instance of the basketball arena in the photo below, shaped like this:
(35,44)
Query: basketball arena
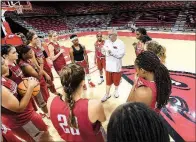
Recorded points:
(169,23)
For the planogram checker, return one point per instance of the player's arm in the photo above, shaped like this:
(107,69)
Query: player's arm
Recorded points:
(39,63)
(30,71)
(10,102)
(85,54)
(143,95)
(119,52)
(71,55)
(96,111)
(95,53)
(51,51)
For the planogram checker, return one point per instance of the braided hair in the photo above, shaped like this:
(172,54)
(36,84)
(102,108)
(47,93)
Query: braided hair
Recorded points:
(71,76)
(135,122)
(148,61)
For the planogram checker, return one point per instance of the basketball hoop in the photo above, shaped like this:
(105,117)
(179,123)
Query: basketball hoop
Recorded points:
(19,9)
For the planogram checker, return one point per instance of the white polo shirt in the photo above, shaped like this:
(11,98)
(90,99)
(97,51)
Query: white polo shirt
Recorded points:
(114,59)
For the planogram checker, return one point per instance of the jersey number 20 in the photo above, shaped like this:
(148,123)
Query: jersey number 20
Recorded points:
(64,125)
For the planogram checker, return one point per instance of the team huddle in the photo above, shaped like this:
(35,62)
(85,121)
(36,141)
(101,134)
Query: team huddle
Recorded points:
(77,119)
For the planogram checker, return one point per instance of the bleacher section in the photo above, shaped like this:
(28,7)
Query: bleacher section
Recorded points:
(63,16)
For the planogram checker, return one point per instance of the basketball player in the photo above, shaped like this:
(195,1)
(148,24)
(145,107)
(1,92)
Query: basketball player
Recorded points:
(9,53)
(40,61)
(114,50)
(75,118)
(142,36)
(56,52)
(99,57)
(30,69)
(18,113)
(153,85)
(158,49)
(135,122)
(79,56)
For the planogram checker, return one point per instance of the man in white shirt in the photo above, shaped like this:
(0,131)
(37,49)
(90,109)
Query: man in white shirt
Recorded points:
(114,50)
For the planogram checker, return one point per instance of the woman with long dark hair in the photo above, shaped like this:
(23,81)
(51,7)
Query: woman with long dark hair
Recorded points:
(135,122)
(153,84)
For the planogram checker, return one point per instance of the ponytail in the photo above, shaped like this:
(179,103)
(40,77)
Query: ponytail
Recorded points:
(163,85)
(151,63)
(71,76)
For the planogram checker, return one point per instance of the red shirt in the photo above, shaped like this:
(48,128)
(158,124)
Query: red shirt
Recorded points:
(87,131)
(10,118)
(60,62)
(139,48)
(16,73)
(39,54)
(99,45)
(7,134)
(142,82)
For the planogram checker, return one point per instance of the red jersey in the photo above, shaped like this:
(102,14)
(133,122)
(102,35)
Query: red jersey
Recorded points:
(43,84)
(10,118)
(98,46)
(16,73)
(60,62)
(87,131)
(139,48)
(39,54)
(151,84)
(7,134)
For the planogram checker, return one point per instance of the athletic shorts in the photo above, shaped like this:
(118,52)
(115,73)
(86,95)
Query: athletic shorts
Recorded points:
(100,63)
(83,64)
(113,78)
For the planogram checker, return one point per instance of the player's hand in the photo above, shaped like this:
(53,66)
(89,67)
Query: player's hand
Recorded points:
(41,72)
(32,82)
(48,78)
(61,50)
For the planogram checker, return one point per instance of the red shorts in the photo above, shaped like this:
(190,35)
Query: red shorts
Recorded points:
(32,130)
(84,65)
(113,77)
(100,63)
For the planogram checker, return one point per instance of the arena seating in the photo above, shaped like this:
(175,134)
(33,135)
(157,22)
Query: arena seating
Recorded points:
(87,7)
(121,20)
(163,4)
(47,23)
(40,9)
(106,14)
(88,21)
(150,18)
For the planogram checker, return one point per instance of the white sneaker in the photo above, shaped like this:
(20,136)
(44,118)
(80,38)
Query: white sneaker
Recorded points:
(116,94)
(100,81)
(105,98)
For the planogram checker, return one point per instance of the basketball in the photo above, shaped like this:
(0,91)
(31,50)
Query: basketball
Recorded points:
(22,88)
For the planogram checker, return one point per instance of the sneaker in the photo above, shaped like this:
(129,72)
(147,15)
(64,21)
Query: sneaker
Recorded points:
(100,81)
(116,95)
(105,98)
(91,84)
(84,87)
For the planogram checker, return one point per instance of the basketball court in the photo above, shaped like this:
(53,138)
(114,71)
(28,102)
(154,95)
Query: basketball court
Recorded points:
(179,114)
(181,63)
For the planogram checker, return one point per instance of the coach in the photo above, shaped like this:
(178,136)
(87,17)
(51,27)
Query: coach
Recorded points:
(114,49)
